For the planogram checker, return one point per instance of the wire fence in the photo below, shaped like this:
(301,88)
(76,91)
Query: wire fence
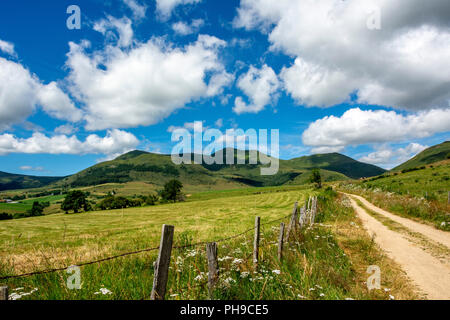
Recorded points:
(298,219)
(197,244)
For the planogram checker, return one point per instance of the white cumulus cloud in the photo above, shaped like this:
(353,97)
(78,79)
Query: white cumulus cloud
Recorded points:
(56,103)
(357,127)
(389,157)
(183,28)
(165,7)
(65,129)
(137,9)
(115,142)
(7,47)
(21,92)
(143,85)
(124,31)
(31,168)
(260,85)
(405,64)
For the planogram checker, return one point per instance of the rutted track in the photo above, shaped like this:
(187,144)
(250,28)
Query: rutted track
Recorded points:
(434,234)
(430,275)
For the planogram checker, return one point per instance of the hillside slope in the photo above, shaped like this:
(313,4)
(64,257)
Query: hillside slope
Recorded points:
(9,181)
(338,163)
(158,169)
(433,154)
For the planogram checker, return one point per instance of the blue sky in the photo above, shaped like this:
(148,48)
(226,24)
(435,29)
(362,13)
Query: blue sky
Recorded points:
(363,81)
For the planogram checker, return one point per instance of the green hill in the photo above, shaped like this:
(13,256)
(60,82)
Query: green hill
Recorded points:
(433,154)
(338,163)
(9,181)
(158,169)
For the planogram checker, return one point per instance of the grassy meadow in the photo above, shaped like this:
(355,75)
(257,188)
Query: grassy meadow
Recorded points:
(316,264)
(419,194)
(26,204)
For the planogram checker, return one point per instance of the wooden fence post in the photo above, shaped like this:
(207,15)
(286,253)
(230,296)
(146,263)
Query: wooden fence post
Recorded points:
(280,242)
(162,264)
(295,215)
(313,210)
(256,242)
(293,221)
(213,267)
(301,219)
(3,293)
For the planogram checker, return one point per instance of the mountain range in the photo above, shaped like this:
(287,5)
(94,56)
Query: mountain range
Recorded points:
(158,169)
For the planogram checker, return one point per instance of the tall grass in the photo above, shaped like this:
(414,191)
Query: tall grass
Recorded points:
(314,266)
(420,194)
(421,208)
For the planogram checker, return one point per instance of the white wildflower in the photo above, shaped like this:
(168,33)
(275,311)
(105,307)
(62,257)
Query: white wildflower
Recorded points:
(224,258)
(229,281)
(276,271)
(200,277)
(179,261)
(14,296)
(191,253)
(103,291)
(19,295)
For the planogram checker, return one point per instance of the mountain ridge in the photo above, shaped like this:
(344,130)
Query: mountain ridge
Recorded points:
(428,156)
(11,181)
(138,165)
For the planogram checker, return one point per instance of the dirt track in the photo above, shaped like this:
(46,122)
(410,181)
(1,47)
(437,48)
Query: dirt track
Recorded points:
(431,275)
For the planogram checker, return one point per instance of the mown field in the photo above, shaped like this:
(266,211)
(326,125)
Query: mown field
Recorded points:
(315,265)
(419,194)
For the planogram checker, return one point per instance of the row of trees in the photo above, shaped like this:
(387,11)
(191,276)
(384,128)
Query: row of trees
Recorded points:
(37,209)
(77,201)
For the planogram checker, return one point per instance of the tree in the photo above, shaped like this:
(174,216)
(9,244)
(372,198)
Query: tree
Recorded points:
(172,191)
(316,178)
(151,200)
(119,202)
(37,209)
(75,200)
(5,216)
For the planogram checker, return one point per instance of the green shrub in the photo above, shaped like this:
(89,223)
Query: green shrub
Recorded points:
(5,216)
(172,191)
(151,200)
(75,200)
